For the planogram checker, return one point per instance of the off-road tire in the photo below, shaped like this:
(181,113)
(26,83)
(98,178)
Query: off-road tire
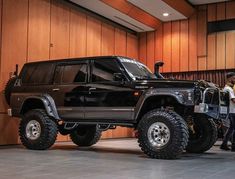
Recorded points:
(8,89)
(178,134)
(48,130)
(85,135)
(205,135)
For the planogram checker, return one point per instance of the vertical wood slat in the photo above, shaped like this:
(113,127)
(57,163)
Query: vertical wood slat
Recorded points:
(230,50)
(143,47)
(132,46)
(107,41)
(175,46)
(150,50)
(77,34)
(167,47)
(211,39)
(202,38)
(220,39)
(60,15)
(159,44)
(230,12)
(93,37)
(193,43)
(120,42)
(184,45)
(39,30)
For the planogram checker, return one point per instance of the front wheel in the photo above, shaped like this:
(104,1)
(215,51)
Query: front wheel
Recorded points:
(163,134)
(85,135)
(37,131)
(202,135)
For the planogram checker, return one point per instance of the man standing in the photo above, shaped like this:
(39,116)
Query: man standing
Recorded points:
(231,130)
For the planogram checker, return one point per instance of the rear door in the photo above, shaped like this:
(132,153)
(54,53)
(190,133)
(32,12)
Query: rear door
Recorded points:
(69,87)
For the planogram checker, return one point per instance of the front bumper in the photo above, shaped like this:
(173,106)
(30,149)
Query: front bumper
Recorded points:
(215,104)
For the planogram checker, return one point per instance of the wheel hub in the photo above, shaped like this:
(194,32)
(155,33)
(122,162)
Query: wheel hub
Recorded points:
(158,134)
(33,130)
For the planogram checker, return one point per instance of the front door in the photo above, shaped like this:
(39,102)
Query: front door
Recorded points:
(107,98)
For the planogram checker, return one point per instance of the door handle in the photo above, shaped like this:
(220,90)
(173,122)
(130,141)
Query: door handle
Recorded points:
(92,89)
(55,89)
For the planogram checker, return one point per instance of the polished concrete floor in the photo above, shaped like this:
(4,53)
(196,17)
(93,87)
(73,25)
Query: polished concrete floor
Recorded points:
(110,159)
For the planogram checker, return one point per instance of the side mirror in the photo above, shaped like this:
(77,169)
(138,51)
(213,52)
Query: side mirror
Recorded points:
(118,77)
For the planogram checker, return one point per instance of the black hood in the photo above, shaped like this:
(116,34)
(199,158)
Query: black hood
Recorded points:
(167,83)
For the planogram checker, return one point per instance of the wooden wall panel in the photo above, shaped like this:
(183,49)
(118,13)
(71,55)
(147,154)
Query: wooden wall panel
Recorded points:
(14,40)
(120,42)
(77,34)
(175,46)
(60,16)
(14,35)
(150,50)
(193,43)
(184,52)
(143,47)
(132,46)
(8,130)
(39,30)
(107,41)
(167,46)
(93,37)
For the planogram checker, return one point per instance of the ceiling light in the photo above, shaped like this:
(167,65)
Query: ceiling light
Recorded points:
(165,14)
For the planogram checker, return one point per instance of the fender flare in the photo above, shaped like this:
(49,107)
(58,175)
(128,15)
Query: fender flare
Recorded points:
(48,103)
(150,94)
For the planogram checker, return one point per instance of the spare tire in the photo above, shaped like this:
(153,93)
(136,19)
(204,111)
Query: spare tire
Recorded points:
(8,89)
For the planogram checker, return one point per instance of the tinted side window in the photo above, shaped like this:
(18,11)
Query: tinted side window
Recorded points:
(38,73)
(103,70)
(75,73)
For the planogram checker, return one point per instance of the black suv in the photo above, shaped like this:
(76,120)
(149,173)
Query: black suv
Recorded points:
(83,97)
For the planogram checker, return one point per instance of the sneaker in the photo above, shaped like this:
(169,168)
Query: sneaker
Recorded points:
(225,147)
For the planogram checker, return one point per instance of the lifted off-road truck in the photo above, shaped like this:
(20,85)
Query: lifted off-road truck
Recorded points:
(83,97)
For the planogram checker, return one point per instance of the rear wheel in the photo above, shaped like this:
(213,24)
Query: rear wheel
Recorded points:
(37,131)
(162,134)
(202,135)
(85,135)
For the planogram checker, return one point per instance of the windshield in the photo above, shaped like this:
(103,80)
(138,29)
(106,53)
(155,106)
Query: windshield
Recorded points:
(137,70)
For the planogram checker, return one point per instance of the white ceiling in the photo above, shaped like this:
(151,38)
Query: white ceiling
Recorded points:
(113,14)
(157,8)
(197,2)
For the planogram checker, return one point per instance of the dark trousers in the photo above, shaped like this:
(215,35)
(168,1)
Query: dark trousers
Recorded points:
(231,131)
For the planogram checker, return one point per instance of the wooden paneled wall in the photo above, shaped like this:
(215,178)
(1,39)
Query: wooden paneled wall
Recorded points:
(185,46)
(35,30)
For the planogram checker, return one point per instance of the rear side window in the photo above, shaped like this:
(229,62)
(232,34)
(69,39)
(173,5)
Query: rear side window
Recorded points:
(74,73)
(37,74)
